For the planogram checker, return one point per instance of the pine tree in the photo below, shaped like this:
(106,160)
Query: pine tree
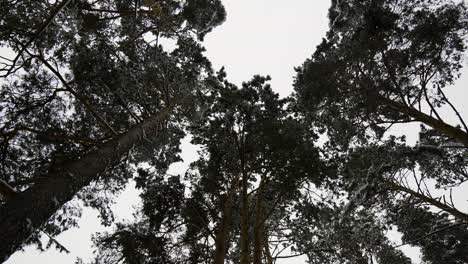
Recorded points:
(250,169)
(384,63)
(88,88)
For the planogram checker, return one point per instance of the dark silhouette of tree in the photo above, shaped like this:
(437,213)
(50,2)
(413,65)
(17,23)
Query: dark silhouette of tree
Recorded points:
(244,139)
(384,63)
(90,96)
(441,240)
(86,94)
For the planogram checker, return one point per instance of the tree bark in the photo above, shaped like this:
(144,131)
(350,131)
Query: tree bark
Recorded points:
(223,228)
(443,128)
(244,222)
(244,243)
(27,211)
(55,137)
(457,214)
(258,228)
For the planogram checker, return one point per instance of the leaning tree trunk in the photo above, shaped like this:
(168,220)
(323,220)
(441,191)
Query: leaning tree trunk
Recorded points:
(27,211)
(442,127)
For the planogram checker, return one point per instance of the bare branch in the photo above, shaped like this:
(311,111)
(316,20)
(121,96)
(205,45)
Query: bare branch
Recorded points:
(453,108)
(430,105)
(122,103)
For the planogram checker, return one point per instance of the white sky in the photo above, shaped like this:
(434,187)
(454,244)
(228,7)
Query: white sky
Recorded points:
(259,37)
(267,37)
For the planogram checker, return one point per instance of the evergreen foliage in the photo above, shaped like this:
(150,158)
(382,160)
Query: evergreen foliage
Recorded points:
(92,98)
(89,93)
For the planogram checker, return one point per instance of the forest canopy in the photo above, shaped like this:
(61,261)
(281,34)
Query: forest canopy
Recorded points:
(91,99)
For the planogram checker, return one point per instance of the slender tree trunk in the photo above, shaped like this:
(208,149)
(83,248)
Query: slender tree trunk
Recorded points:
(258,228)
(27,211)
(266,246)
(460,215)
(443,128)
(223,228)
(244,221)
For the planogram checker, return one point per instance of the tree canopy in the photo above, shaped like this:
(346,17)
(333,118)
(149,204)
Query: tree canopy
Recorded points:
(88,88)
(92,97)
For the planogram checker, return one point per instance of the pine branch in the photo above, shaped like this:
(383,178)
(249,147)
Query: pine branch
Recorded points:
(26,181)
(57,244)
(430,234)
(290,256)
(453,108)
(443,206)
(55,137)
(442,127)
(36,35)
(272,209)
(79,97)
(120,12)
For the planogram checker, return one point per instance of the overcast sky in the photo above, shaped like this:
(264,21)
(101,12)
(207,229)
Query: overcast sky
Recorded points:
(267,37)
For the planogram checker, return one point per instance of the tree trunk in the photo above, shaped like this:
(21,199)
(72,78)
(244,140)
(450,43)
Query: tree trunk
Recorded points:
(443,128)
(266,245)
(223,229)
(27,211)
(244,222)
(258,227)
(457,214)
